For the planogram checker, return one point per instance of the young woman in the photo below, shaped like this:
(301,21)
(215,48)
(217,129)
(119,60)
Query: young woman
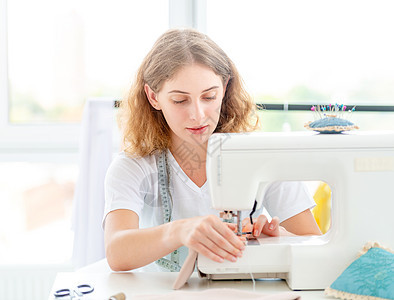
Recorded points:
(156,192)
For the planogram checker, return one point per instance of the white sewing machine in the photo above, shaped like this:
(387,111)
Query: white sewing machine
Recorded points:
(359,168)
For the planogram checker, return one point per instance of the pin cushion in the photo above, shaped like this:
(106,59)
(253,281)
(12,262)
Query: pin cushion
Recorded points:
(333,122)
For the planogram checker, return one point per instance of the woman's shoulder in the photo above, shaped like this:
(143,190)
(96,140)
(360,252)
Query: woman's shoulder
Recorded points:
(128,162)
(130,158)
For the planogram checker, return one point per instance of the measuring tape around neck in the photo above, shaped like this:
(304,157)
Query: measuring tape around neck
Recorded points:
(166,201)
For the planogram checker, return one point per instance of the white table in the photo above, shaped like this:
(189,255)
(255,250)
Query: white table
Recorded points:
(107,283)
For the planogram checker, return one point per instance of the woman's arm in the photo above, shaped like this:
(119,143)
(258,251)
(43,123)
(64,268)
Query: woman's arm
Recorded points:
(128,247)
(302,224)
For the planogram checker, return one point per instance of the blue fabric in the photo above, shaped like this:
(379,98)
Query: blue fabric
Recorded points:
(372,274)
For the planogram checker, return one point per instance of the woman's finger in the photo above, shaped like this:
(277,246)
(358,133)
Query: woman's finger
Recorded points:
(232,226)
(272,228)
(222,247)
(259,224)
(202,249)
(203,237)
(274,223)
(216,236)
(226,239)
(246,221)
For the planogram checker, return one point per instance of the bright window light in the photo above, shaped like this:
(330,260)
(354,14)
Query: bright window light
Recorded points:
(309,51)
(36,214)
(62,52)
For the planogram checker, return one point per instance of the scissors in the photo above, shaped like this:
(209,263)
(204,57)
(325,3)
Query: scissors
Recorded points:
(80,290)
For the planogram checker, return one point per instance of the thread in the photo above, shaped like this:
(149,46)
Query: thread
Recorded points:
(250,270)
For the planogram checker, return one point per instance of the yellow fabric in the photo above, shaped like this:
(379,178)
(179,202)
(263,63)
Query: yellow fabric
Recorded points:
(322,210)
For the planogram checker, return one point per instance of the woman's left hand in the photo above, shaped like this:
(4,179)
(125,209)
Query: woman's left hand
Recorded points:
(262,225)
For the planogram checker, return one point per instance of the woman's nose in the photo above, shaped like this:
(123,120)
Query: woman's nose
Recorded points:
(197,111)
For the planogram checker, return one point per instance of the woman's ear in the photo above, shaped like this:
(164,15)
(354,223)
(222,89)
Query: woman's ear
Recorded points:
(152,97)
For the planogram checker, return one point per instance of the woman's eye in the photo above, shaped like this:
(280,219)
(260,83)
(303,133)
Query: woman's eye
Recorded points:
(178,101)
(210,98)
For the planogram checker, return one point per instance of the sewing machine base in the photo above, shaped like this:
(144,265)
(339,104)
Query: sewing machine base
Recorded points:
(265,257)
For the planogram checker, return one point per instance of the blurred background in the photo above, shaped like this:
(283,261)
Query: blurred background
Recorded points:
(54,55)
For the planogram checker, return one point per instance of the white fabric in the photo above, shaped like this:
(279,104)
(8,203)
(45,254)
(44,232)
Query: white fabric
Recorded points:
(96,151)
(286,199)
(219,294)
(132,183)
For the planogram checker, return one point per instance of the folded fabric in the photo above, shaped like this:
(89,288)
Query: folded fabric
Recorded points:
(217,294)
(186,270)
(371,276)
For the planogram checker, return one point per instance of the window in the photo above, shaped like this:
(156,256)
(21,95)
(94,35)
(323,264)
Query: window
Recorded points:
(310,52)
(62,52)
(58,54)
(37,201)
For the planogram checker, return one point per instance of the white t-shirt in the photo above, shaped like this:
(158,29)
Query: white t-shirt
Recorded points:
(132,183)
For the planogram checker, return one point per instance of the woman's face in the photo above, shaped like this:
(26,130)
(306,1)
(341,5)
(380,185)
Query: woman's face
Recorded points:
(191,102)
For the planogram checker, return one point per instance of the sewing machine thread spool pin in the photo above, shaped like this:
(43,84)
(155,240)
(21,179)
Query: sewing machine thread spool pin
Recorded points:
(228,217)
(239,223)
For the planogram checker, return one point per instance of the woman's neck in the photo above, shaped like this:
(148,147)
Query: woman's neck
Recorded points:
(192,159)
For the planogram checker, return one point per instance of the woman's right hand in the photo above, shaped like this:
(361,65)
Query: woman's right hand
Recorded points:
(211,237)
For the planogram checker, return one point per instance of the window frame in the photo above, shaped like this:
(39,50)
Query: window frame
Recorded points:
(28,138)
(59,138)
(59,142)
(64,137)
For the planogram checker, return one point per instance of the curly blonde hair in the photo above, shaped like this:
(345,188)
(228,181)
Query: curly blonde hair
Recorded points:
(144,129)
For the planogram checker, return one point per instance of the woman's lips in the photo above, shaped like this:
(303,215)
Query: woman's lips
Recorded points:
(198,130)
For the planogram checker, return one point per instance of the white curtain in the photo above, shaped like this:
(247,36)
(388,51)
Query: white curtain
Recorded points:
(96,149)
